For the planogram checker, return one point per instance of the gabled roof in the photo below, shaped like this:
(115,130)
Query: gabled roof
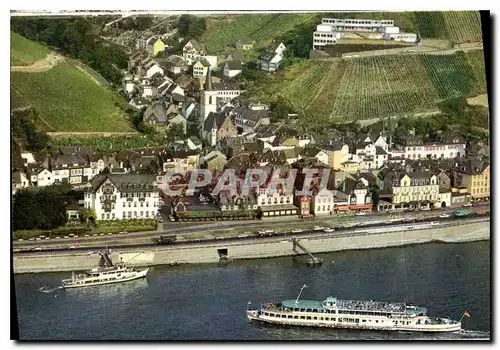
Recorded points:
(157,111)
(236,55)
(203,61)
(213,119)
(125,182)
(196,45)
(233,65)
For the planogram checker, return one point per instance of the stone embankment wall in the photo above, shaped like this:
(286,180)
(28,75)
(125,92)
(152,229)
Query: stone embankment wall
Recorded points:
(209,253)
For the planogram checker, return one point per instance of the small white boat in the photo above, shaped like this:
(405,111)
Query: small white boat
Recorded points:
(103,275)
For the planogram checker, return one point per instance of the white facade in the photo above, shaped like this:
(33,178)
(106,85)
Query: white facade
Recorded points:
(199,70)
(28,158)
(208,103)
(153,70)
(124,206)
(435,151)
(411,192)
(324,35)
(358,25)
(44,178)
(230,72)
(269,198)
(322,202)
(445,197)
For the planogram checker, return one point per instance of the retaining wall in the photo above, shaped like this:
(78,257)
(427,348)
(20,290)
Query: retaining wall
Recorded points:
(208,253)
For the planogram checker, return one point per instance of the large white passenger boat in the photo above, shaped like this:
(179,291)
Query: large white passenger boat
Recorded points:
(104,275)
(357,314)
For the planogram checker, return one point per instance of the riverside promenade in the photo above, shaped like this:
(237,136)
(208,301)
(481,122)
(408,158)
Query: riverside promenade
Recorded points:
(211,252)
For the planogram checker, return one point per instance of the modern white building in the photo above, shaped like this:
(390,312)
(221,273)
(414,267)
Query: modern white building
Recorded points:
(122,196)
(324,35)
(357,25)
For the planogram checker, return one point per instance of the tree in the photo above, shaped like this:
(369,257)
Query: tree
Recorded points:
(42,210)
(175,132)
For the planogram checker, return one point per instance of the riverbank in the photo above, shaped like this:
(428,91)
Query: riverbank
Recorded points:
(260,248)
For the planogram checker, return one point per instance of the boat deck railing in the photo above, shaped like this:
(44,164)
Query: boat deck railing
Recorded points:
(371,305)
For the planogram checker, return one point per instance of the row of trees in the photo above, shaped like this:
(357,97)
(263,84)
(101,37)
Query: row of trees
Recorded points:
(38,210)
(78,38)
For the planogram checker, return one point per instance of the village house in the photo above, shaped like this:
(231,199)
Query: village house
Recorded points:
(19,181)
(474,175)
(314,152)
(154,46)
(274,202)
(247,120)
(410,189)
(181,161)
(357,195)
(122,196)
(232,68)
(244,44)
(270,60)
(192,51)
(200,68)
(175,64)
(322,202)
(238,205)
(215,161)
(451,146)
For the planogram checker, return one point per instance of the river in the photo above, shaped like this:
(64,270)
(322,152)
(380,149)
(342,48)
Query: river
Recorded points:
(208,302)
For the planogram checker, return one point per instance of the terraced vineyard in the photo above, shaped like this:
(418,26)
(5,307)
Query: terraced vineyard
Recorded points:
(304,89)
(458,26)
(260,27)
(451,75)
(380,86)
(476,61)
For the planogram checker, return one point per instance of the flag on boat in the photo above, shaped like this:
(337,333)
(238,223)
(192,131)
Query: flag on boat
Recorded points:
(467,313)
(249,302)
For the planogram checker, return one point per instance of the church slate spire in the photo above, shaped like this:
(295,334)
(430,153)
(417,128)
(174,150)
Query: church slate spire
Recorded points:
(208,82)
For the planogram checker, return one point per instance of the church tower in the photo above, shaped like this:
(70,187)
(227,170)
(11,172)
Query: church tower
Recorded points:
(208,98)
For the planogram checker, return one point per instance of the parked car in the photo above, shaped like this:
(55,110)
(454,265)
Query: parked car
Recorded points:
(360,213)
(467,205)
(444,216)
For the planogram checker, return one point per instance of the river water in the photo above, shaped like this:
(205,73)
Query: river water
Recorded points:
(208,302)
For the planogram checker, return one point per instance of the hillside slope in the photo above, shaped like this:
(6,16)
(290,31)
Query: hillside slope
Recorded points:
(66,98)
(24,52)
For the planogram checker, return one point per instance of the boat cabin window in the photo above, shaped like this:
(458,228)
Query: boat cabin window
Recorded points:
(302,317)
(308,310)
(340,320)
(308,317)
(315,318)
(302,310)
(283,316)
(315,310)
(296,317)
(290,316)
(333,319)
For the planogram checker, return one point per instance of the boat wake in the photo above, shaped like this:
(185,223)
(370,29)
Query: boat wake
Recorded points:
(469,333)
(49,290)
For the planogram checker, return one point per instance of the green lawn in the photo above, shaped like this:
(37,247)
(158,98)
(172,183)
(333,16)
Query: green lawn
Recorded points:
(24,52)
(68,100)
